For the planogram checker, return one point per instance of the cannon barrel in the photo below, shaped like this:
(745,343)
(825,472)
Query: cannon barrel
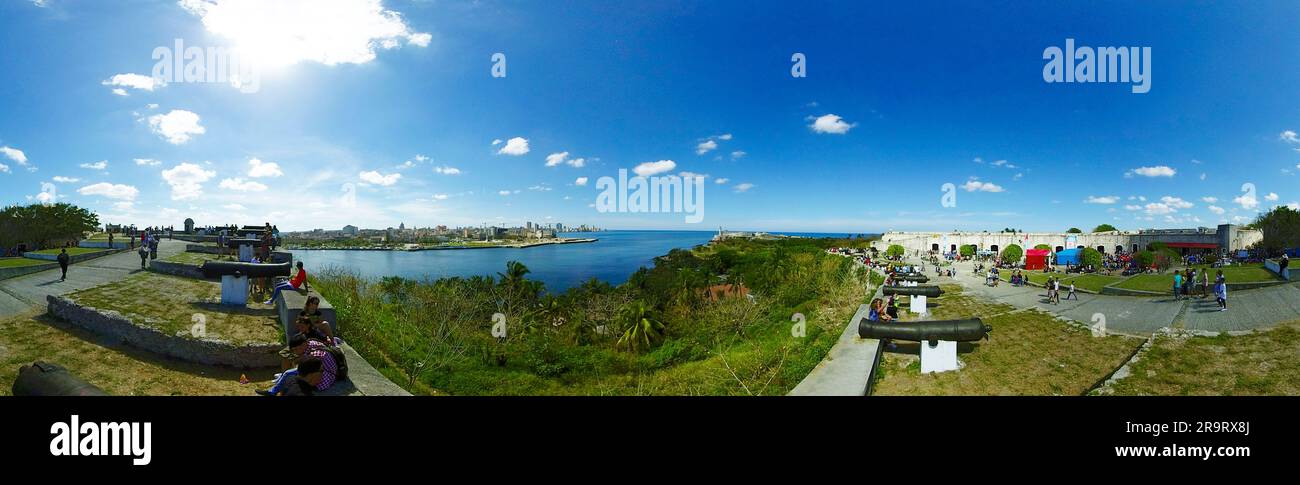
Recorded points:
(255,270)
(919,278)
(237,242)
(930,291)
(43,379)
(968,330)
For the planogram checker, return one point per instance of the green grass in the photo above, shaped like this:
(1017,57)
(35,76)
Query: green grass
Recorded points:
(103,237)
(117,368)
(1260,363)
(71,251)
(1164,283)
(170,303)
(20,262)
(1089,282)
(1028,353)
(196,259)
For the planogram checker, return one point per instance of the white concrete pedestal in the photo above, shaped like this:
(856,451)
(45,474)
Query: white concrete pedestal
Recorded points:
(245,253)
(234,290)
(938,356)
(918,305)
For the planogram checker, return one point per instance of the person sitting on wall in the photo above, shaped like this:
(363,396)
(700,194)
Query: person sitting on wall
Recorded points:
(316,371)
(299,281)
(311,323)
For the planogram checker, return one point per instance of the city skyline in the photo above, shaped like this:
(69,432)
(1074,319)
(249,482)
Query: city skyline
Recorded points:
(391,112)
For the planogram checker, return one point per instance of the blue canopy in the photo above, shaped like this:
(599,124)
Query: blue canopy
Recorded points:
(1068,256)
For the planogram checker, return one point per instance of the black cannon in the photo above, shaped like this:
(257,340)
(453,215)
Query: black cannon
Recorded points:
(237,242)
(917,277)
(212,269)
(43,379)
(969,330)
(930,291)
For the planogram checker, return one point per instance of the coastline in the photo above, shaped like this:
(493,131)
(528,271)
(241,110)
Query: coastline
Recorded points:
(440,248)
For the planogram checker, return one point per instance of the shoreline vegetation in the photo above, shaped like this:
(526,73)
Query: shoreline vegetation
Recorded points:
(717,319)
(354,246)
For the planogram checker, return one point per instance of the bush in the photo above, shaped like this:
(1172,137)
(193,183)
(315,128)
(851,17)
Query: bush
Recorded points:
(1144,258)
(967,250)
(895,251)
(1012,254)
(1091,256)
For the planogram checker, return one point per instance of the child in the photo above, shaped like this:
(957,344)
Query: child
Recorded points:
(1221,291)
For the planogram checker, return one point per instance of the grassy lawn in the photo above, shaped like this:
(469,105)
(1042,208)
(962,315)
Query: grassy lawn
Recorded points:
(1164,283)
(1028,353)
(20,262)
(196,259)
(103,237)
(1261,363)
(116,368)
(169,304)
(1090,282)
(71,251)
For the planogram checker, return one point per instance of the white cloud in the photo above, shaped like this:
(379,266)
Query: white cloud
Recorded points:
(650,168)
(832,124)
(186,180)
(1158,208)
(241,185)
(149,162)
(440,196)
(1216,209)
(563,157)
(100,165)
(133,81)
(1294,205)
(515,146)
(1272,196)
(1209,200)
(496,141)
(373,177)
(580,181)
(503,192)
(721,181)
(692,175)
(177,126)
(290,31)
(974,184)
(1202,175)
(738,154)
(234,207)
(65,180)
(1132,207)
(1156,171)
(445,170)
(1108,199)
(1289,137)
(724,136)
(112,191)
(1246,201)
(743,187)
(14,154)
(1176,202)
(259,169)
(705,146)
(4,168)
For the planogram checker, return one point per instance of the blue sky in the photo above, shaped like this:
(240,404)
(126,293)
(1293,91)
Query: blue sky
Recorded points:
(924,94)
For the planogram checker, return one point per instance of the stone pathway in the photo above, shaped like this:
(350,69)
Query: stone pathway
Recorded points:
(24,293)
(1247,309)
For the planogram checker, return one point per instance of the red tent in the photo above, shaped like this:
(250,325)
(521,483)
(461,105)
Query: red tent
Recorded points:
(1036,258)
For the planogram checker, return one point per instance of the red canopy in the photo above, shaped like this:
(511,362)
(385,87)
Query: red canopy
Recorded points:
(1036,258)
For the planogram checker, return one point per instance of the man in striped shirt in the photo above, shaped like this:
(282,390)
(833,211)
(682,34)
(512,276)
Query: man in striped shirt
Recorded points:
(316,368)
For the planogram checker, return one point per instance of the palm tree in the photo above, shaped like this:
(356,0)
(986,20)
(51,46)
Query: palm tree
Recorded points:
(640,326)
(514,274)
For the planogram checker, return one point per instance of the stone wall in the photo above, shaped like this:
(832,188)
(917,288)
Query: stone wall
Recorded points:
(204,351)
(73,259)
(6,273)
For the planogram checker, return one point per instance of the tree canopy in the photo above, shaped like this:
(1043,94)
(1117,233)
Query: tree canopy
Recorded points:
(1104,228)
(1012,254)
(1281,227)
(44,225)
(1074,230)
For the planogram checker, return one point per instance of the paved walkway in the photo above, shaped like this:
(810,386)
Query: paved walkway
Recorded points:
(1247,309)
(24,293)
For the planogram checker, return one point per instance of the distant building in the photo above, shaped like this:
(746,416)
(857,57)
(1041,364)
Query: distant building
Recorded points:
(189,225)
(1227,237)
(350,230)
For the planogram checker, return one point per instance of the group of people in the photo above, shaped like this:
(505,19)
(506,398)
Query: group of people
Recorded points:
(313,360)
(1186,285)
(1053,285)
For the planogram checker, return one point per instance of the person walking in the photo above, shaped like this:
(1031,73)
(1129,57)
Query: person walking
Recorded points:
(1056,291)
(1178,284)
(1221,294)
(64,259)
(1205,283)
(1072,294)
(144,255)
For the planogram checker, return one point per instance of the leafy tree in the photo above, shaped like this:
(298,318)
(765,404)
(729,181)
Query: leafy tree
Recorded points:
(514,275)
(1090,256)
(1012,254)
(45,225)
(967,250)
(1074,230)
(1043,246)
(895,251)
(641,328)
(1104,228)
(1144,258)
(1281,227)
